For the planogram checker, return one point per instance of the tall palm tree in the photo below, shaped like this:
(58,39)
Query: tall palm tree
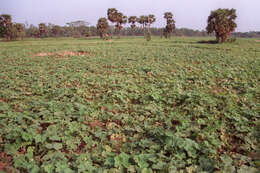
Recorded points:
(170,26)
(121,19)
(142,20)
(132,20)
(146,21)
(150,20)
(116,17)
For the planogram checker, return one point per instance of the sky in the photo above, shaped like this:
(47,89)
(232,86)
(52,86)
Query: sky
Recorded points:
(187,13)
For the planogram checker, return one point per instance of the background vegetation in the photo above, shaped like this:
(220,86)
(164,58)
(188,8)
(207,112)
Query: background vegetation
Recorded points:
(86,31)
(220,22)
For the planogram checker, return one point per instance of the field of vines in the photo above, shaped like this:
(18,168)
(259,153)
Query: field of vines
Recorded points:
(127,105)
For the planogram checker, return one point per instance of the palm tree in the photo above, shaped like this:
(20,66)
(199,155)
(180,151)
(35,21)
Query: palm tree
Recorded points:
(102,27)
(222,22)
(170,26)
(116,17)
(146,21)
(121,19)
(150,20)
(168,15)
(142,21)
(132,20)
(112,14)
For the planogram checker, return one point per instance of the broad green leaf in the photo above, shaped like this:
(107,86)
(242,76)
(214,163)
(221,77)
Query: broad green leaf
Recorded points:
(122,160)
(56,146)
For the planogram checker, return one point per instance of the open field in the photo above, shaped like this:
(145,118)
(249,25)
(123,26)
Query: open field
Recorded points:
(76,105)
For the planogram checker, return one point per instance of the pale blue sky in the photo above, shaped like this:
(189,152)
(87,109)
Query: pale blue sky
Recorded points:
(187,13)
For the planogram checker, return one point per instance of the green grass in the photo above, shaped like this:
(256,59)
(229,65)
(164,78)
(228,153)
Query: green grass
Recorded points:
(130,105)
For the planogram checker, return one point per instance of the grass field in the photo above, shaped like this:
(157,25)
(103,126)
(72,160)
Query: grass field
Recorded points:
(127,105)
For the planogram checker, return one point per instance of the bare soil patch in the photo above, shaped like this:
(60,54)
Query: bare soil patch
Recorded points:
(62,54)
(257,40)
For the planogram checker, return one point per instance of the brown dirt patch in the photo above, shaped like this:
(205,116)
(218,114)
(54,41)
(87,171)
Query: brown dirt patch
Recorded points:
(2,100)
(257,40)
(117,137)
(62,54)
(94,124)
(5,161)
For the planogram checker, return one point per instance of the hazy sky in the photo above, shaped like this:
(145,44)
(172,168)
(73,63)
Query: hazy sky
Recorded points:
(187,13)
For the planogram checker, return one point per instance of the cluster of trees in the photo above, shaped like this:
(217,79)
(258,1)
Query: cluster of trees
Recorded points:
(65,31)
(10,30)
(251,34)
(119,19)
(221,22)
(86,31)
(72,29)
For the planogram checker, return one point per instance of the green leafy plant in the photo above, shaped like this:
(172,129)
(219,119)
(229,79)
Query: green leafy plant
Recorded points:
(129,106)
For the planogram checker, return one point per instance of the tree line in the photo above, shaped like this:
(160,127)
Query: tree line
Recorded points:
(10,30)
(80,29)
(88,31)
(221,23)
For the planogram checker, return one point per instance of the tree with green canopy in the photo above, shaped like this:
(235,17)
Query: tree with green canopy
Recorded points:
(6,26)
(43,31)
(102,27)
(9,30)
(56,30)
(78,28)
(170,26)
(77,23)
(32,31)
(222,22)
(18,31)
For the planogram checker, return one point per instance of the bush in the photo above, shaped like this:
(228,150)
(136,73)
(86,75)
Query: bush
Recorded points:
(148,36)
(231,40)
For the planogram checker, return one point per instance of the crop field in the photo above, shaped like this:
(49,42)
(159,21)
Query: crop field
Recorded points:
(128,105)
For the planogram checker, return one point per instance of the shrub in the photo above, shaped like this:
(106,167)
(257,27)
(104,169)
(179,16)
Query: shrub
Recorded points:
(148,36)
